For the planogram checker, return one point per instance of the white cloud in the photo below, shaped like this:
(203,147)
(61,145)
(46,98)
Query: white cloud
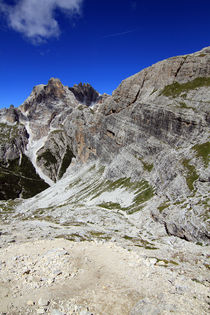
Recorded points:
(35,18)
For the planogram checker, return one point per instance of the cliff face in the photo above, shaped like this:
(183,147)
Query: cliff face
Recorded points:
(85,93)
(153,130)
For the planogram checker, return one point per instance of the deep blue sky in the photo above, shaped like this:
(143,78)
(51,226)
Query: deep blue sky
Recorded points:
(107,42)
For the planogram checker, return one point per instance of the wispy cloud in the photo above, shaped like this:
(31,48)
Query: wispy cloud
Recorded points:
(119,34)
(35,19)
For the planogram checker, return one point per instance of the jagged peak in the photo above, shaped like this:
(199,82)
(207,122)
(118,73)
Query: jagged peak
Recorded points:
(55,82)
(85,93)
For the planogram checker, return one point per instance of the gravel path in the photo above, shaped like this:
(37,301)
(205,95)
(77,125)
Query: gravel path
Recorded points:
(61,277)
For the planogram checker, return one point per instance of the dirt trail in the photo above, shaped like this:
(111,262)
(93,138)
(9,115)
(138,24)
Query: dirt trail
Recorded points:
(62,277)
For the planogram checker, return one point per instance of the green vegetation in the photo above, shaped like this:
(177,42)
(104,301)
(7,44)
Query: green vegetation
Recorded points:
(66,161)
(207,266)
(96,233)
(142,190)
(143,196)
(139,242)
(7,208)
(163,206)
(76,237)
(196,280)
(110,205)
(55,132)
(192,176)
(199,243)
(99,235)
(183,105)
(203,151)
(48,157)
(179,202)
(147,167)
(19,178)
(72,237)
(167,262)
(175,89)
(202,55)
(129,238)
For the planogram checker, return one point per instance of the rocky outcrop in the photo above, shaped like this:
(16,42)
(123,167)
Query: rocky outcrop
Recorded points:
(18,175)
(149,84)
(14,140)
(85,93)
(12,114)
(19,179)
(56,155)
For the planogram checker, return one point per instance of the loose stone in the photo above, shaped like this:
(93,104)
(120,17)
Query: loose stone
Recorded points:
(43,302)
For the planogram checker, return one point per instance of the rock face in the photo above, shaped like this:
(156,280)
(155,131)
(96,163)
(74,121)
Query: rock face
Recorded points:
(18,176)
(85,93)
(56,155)
(151,136)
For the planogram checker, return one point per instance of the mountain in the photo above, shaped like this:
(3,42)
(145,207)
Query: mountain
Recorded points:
(133,163)
(104,199)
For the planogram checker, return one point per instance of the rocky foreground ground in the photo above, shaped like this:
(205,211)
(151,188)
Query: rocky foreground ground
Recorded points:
(57,276)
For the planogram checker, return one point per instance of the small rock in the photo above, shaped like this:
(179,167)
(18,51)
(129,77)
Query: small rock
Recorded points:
(43,302)
(12,241)
(30,303)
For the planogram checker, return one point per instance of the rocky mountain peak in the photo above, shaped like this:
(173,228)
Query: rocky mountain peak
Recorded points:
(85,93)
(12,115)
(54,88)
(45,94)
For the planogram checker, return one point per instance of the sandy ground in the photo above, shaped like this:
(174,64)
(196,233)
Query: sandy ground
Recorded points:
(62,277)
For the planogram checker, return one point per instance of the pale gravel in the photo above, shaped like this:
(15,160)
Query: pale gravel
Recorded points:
(104,278)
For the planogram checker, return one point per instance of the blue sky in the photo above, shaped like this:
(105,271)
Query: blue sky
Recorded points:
(95,41)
